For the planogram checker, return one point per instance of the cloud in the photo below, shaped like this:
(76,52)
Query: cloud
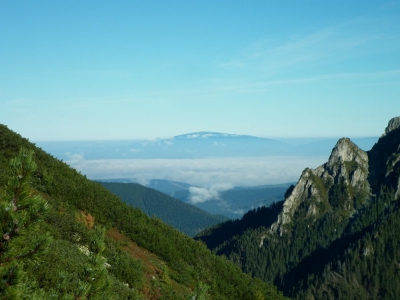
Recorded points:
(362,36)
(74,158)
(206,172)
(239,212)
(202,194)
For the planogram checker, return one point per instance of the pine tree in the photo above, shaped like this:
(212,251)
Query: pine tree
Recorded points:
(95,273)
(201,292)
(21,211)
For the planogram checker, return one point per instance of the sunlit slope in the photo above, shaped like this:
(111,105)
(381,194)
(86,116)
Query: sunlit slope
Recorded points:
(186,267)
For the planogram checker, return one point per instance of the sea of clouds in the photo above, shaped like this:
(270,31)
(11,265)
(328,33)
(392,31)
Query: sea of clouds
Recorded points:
(209,176)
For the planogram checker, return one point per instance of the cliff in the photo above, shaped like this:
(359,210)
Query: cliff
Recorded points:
(313,196)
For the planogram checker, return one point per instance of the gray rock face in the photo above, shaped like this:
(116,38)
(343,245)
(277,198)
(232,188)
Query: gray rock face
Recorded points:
(345,182)
(392,125)
(347,164)
(397,194)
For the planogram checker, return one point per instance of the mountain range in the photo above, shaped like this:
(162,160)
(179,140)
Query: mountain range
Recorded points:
(195,145)
(335,233)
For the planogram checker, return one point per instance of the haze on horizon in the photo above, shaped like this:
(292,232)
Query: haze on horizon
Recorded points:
(90,70)
(73,70)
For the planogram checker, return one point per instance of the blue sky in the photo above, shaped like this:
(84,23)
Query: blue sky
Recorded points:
(101,70)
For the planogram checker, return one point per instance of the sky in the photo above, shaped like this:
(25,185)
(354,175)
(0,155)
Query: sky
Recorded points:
(114,70)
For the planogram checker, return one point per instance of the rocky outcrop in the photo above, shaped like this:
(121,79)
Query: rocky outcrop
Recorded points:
(393,125)
(311,197)
(349,162)
(351,171)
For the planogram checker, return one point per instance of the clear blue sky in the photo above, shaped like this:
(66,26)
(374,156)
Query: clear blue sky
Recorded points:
(77,70)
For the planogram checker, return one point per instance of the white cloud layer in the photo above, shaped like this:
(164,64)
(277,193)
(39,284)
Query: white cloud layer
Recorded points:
(74,158)
(207,172)
(202,194)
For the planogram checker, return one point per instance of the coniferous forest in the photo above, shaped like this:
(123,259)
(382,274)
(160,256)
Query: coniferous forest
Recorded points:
(184,217)
(336,234)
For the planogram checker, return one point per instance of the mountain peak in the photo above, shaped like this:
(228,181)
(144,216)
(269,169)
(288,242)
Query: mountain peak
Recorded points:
(204,135)
(346,151)
(393,125)
(312,198)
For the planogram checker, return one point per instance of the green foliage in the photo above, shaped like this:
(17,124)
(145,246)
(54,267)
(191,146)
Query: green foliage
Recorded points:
(201,292)
(323,187)
(349,251)
(184,217)
(241,199)
(93,282)
(65,271)
(20,213)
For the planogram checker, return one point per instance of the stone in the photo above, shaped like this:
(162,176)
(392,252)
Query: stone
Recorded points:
(393,125)
(347,162)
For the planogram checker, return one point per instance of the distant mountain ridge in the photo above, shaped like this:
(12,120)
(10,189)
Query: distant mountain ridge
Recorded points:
(209,134)
(193,145)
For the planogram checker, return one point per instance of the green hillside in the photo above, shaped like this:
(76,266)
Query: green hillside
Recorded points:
(86,243)
(235,202)
(335,236)
(184,217)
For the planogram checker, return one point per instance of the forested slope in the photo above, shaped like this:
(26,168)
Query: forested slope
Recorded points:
(138,257)
(235,202)
(335,236)
(184,217)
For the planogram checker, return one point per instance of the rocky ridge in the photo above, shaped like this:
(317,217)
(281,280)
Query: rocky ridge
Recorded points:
(393,125)
(312,196)
(349,168)
(335,234)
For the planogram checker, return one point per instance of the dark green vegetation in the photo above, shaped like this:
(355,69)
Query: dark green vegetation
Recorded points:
(232,203)
(341,241)
(67,237)
(184,217)
(168,187)
(235,202)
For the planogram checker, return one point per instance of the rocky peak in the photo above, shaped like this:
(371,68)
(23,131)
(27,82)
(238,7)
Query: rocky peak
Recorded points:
(345,151)
(347,165)
(347,161)
(393,125)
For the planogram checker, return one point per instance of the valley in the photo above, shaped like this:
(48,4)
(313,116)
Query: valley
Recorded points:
(342,216)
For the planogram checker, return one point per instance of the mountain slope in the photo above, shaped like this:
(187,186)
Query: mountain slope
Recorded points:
(184,217)
(167,186)
(232,203)
(235,202)
(178,267)
(335,234)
